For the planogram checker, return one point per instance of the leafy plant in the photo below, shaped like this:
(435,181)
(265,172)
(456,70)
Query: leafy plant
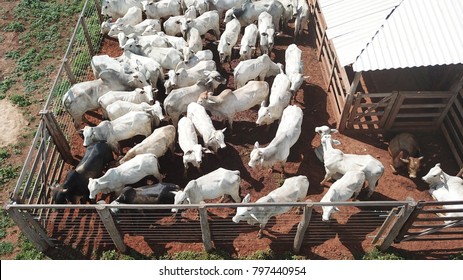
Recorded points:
(261,255)
(14,54)
(20,100)
(5,222)
(5,85)
(376,254)
(28,251)
(191,255)
(4,154)
(8,173)
(14,26)
(6,248)
(114,255)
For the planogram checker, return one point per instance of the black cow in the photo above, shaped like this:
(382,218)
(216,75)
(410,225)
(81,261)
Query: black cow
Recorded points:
(75,187)
(161,193)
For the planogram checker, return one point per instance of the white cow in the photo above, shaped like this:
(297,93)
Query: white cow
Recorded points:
(228,40)
(188,141)
(215,184)
(212,138)
(293,189)
(294,67)
(152,70)
(248,42)
(223,5)
(83,97)
(125,127)
(337,162)
(162,139)
(228,102)
(201,6)
(130,172)
(190,59)
(185,78)
(301,14)
(132,17)
(172,25)
(205,22)
(266,33)
(118,8)
(287,134)
(261,67)
(177,101)
(250,11)
(119,108)
(444,187)
(168,58)
(194,43)
(323,130)
(280,96)
(348,186)
(136,96)
(162,8)
(136,29)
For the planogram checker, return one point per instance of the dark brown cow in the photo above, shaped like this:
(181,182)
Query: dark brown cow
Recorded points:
(405,152)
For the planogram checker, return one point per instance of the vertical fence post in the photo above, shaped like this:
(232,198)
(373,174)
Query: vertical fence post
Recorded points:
(110,226)
(58,137)
(206,233)
(302,227)
(68,70)
(98,10)
(403,216)
(87,37)
(39,239)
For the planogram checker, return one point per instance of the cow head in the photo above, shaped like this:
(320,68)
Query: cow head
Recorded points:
(59,195)
(331,196)
(264,116)
(217,140)
(256,156)
(187,54)
(214,79)
(89,135)
(95,187)
(325,130)
(229,15)
(435,176)
(243,213)
(195,155)
(180,198)
(148,94)
(413,164)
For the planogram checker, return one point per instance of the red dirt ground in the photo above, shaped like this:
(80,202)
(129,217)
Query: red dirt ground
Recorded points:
(314,101)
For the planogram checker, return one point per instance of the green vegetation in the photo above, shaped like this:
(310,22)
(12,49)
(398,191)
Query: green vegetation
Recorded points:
(5,85)
(376,254)
(28,251)
(6,248)
(20,100)
(8,173)
(14,26)
(261,255)
(14,54)
(5,222)
(114,255)
(4,154)
(191,255)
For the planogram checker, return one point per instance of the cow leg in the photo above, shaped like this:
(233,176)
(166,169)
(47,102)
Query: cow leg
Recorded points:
(394,171)
(326,179)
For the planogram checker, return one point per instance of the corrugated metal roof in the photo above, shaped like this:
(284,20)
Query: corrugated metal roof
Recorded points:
(387,34)
(351,24)
(418,33)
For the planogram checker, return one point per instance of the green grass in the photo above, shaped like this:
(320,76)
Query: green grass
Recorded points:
(5,222)
(14,26)
(376,254)
(5,85)
(14,54)
(6,248)
(20,100)
(4,154)
(8,173)
(28,251)
(261,255)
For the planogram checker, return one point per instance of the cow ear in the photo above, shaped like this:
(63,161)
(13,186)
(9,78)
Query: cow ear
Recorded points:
(421,158)
(336,142)
(334,130)
(247,198)
(262,104)
(336,209)
(174,192)
(210,101)
(223,130)
(207,151)
(405,160)
(256,145)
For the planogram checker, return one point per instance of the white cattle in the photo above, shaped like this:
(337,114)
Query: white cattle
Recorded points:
(120,108)
(99,63)
(83,97)
(136,29)
(125,127)
(294,67)
(177,101)
(337,162)
(132,17)
(248,42)
(130,172)
(186,78)
(261,67)
(266,33)
(168,58)
(172,25)
(190,59)
(223,5)
(288,12)
(205,22)
(144,43)
(188,141)
(301,14)
(444,187)
(162,139)
(194,43)
(118,8)
(280,96)
(250,11)
(348,186)
(162,8)
(212,138)
(228,40)
(136,96)
(201,6)
(215,184)
(293,189)
(148,66)
(228,102)
(287,134)
(322,130)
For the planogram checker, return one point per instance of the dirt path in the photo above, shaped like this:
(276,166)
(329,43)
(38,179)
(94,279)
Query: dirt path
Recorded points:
(12,125)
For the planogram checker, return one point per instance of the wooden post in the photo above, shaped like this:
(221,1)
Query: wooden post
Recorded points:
(87,37)
(58,137)
(29,230)
(302,228)
(385,224)
(206,233)
(110,226)
(98,11)
(402,218)
(68,70)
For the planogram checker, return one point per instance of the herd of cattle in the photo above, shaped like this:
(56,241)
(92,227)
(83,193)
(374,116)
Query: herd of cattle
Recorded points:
(166,49)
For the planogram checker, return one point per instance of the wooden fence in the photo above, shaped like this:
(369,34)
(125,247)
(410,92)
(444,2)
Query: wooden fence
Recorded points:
(452,128)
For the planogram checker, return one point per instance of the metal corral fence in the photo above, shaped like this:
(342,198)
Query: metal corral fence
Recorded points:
(92,227)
